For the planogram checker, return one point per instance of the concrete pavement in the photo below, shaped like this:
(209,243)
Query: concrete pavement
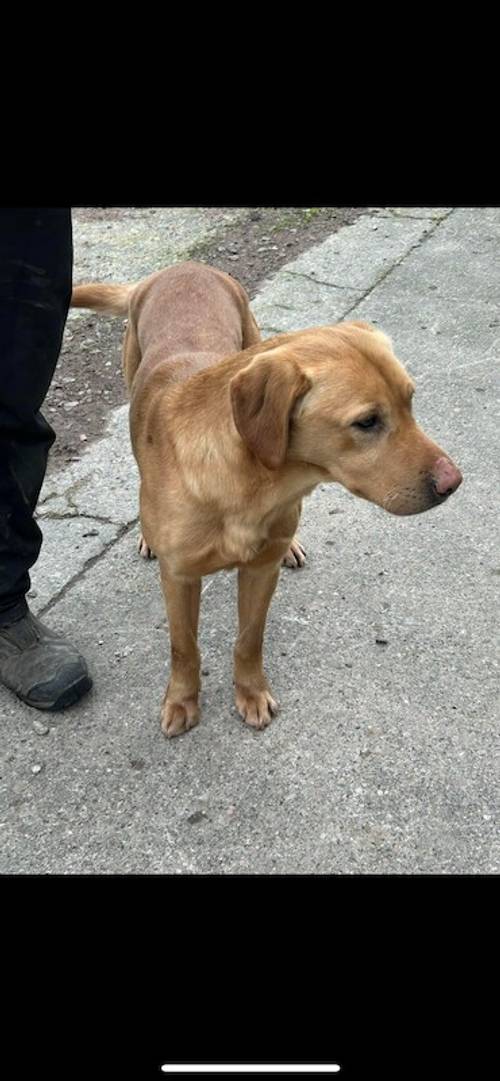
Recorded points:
(382,759)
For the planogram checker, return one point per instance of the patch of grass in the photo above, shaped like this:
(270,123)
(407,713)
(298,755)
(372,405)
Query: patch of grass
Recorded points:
(285,222)
(300,215)
(310,212)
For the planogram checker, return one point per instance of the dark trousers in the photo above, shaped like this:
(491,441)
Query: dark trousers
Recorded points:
(36,262)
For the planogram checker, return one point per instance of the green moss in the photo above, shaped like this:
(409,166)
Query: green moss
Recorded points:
(311,212)
(297,216)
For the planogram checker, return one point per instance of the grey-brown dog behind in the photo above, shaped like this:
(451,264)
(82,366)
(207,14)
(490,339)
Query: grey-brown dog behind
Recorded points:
(230,433)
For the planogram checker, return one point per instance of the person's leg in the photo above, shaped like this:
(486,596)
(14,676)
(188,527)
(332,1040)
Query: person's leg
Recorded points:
(35,291)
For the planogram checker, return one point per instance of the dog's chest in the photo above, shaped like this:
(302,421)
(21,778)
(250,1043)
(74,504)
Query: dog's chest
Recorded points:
(242,541)
(232,544)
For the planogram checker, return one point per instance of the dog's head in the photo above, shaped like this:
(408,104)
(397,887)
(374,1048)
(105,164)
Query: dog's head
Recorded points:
(337,398)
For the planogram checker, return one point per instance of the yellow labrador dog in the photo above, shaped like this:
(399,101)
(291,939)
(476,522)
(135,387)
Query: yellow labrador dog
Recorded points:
(231,432)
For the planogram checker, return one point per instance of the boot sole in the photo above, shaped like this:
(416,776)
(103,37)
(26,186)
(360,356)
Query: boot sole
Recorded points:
(67,698)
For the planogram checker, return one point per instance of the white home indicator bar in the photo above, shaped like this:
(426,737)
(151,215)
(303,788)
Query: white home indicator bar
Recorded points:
(255,1067)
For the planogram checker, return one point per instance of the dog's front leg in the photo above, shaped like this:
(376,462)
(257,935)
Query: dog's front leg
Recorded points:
(180,704)
(254,699)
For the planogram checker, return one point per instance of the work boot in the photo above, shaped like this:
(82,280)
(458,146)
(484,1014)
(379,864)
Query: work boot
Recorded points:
(43,669)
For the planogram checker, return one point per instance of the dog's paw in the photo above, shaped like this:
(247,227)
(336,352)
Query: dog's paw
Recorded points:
(144,550)
(179,717)
(295,556)
(257,708)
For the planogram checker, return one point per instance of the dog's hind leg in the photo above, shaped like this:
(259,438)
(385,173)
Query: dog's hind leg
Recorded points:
(131,359)
(131,354)
(143,548)
(295,556)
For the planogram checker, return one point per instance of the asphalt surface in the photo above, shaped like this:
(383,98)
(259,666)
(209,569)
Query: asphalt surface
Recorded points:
(383,758)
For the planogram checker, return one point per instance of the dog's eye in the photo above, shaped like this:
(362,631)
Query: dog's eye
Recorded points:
(368,422)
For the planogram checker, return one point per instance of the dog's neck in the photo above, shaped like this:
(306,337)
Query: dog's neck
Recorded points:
(213,447)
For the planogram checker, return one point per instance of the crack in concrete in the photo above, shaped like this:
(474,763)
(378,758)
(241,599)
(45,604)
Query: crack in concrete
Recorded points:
(86,567)
(392,216)
(318,281)
(385,274)
(66,494)
(59,517)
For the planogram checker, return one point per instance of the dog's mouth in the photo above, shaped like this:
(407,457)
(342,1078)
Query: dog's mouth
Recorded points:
(406,501)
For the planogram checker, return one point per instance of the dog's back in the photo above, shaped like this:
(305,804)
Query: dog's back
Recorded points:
(191,308)
(189,315)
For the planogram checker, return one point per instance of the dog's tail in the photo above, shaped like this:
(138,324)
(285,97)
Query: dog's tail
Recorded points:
(102,297)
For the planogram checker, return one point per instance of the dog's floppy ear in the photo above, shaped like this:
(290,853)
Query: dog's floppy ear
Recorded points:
(262,398)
